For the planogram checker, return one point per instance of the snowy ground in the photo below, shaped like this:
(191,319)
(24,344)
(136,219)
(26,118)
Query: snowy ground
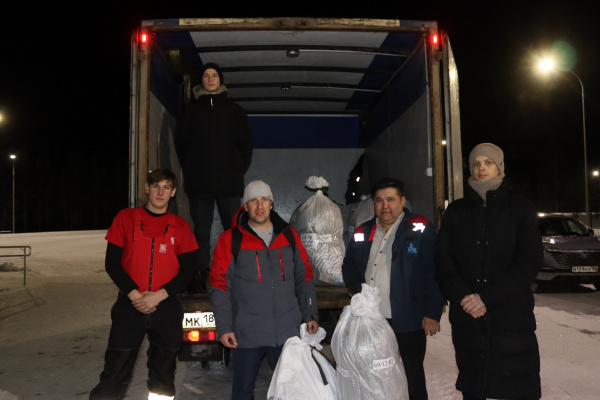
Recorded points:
(53,331)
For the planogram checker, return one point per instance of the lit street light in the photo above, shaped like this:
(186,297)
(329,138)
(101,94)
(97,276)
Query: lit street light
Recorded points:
(547,65)
(13,157)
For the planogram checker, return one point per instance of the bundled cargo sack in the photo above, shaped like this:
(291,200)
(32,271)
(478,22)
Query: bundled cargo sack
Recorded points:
(302,372)
(356,215)
(364,346)
(320,225)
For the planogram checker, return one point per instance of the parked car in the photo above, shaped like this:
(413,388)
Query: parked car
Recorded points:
(571,250)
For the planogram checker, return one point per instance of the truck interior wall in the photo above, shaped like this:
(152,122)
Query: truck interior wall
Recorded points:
(401,128)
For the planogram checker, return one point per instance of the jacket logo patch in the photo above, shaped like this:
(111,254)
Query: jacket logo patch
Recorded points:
(172,240)
(359,237)
(419,227)
(163,248)
(412,249)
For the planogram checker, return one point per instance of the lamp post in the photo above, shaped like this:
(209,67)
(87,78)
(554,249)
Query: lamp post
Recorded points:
(548,65)
(13,157)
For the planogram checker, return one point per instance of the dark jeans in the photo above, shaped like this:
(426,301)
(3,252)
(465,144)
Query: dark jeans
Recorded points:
(129,327)
(246,364)
(202,208)
(412,346)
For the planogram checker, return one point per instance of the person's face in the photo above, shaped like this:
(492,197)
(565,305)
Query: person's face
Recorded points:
(259,211)
(159,195)
(211,81)
(388,206)
(484,168)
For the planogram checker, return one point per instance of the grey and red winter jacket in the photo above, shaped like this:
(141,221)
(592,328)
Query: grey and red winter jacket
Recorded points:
(264,297)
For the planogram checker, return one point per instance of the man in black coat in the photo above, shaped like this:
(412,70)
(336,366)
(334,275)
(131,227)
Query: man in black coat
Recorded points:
(488,252)
(214,147)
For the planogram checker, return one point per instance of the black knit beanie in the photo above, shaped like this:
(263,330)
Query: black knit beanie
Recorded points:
(215,67)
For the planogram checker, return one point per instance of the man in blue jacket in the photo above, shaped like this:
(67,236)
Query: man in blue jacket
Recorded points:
(394,252)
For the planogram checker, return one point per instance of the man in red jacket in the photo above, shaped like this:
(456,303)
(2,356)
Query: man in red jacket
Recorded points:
(150,258)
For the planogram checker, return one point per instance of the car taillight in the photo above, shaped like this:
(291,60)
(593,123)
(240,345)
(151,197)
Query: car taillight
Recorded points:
(199,336)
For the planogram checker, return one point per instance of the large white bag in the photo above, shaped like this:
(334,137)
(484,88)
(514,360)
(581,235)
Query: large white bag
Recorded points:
(302,372)
(364,346)
(320,225)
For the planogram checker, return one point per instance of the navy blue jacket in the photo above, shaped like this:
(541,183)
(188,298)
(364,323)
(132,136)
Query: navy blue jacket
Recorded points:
(414,292)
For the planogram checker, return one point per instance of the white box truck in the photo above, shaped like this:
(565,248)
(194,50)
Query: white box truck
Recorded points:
(350,100)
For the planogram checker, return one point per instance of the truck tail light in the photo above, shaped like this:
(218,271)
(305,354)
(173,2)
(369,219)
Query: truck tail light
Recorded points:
(143,38)
(435,40)
(199,336)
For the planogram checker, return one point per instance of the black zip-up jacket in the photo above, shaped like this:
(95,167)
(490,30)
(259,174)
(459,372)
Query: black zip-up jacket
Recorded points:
(214,145)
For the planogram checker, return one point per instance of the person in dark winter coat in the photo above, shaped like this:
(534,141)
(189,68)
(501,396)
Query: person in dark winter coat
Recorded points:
(394,253)
(262,287)
(214,146)
(488,252)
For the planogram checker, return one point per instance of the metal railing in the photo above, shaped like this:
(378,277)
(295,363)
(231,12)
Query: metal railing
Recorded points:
(26,253)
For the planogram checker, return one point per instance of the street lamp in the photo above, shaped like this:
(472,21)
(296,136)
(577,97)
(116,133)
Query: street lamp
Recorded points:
(548,65)
(13,157)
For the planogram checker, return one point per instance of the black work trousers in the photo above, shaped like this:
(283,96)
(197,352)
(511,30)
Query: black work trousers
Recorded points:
(412,346)
(202,208)
(129,327)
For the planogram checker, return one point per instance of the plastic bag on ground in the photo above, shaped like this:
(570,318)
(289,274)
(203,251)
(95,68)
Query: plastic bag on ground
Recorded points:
(319,223)
(302,372)
(364,346)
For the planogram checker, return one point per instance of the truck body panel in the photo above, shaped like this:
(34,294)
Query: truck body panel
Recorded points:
(337,98)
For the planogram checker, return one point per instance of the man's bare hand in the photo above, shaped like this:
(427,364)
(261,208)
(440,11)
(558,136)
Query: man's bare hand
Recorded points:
(147,303)
(472,304)
(228,340)
(430,326)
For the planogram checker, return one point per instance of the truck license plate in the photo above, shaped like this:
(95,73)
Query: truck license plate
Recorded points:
(584,269)
(199,320)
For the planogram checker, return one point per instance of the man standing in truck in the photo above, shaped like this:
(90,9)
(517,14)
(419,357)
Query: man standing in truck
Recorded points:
(214,147)
(150,258)
(261,287)
(394,252)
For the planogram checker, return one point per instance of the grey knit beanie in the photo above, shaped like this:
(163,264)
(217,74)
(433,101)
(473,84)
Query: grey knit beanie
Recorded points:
(257,189)
(489,150)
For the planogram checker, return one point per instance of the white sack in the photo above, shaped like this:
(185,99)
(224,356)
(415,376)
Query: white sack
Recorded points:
(364,346)
(319,223)
(297,375)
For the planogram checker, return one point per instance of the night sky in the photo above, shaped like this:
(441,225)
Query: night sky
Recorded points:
(64,95)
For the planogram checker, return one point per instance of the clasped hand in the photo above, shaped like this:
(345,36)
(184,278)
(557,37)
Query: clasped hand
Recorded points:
(473,305)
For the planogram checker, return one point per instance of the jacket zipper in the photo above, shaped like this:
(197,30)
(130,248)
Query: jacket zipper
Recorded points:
(258,266)
(151,266)
(281,264)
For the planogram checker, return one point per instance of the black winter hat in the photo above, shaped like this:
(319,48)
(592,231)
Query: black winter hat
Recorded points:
(215,67)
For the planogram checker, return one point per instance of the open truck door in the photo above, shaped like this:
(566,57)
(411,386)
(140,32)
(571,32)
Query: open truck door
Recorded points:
(453,152)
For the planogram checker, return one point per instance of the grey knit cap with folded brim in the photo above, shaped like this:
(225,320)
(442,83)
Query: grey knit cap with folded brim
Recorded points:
(489,150)
(257,188)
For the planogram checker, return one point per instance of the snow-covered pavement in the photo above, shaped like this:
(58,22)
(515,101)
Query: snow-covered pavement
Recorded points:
(53,332)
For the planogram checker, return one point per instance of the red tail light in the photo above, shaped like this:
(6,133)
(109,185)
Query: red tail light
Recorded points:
(199,336)
(143,38)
